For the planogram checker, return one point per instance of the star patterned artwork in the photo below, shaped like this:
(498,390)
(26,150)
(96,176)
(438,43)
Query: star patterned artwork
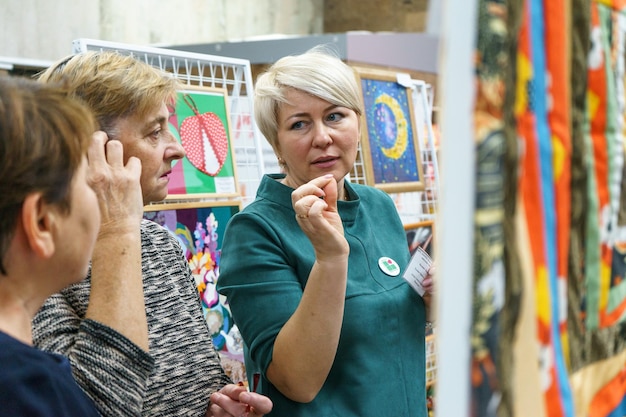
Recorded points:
(389,145)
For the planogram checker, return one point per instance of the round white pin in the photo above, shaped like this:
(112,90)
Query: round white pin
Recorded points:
(389,266)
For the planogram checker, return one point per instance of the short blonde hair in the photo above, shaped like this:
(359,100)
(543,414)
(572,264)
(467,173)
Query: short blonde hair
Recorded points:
(113,85)
(318,72)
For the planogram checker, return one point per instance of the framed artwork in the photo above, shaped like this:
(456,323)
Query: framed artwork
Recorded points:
(200,122)
(420,234)
(199,228)
(431,360)
(389,143)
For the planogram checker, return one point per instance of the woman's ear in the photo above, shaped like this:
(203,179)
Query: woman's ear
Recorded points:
(39,220)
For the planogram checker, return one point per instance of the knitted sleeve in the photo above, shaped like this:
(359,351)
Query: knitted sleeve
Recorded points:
(183,367)
(111,369)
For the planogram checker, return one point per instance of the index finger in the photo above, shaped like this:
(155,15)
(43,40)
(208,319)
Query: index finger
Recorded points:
(323,181)
(314,187)
(96,152)
(114,153)
(222,404)
(259,403)
(233,391)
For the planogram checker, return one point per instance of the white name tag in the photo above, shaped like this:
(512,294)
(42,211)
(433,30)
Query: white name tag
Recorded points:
(417,269)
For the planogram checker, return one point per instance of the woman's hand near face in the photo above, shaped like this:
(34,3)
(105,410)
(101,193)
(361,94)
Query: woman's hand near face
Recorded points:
(315,204)
(116,185)
(116,297)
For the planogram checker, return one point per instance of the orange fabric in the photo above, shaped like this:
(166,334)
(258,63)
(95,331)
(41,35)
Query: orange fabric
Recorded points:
(609,319)
(530,183)
(614,4)
(597,85)
(598,108)
(559,118)
(592,379)
(609,397)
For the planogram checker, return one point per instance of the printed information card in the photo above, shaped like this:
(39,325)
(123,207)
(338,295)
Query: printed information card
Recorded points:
(417,269)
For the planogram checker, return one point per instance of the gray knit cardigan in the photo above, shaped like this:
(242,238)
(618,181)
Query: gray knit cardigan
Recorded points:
(182,368)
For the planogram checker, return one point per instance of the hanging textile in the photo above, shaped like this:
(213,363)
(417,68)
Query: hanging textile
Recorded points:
(605,298)
(580,41)
(557,30)
(549,279)
(597,259)
(512,317)
(537,195)
(489,285)
(599,379)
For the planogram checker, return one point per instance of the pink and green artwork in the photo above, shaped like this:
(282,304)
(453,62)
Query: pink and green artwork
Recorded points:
(200,122)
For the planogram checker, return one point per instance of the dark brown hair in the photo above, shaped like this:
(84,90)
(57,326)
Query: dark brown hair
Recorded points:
(44,135)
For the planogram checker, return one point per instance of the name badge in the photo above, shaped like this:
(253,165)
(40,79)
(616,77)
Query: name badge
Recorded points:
(389,266)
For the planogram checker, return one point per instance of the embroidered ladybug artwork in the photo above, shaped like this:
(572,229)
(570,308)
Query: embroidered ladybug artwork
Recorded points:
(204,138)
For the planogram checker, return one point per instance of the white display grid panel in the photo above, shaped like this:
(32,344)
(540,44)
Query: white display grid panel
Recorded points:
(204,70)
(423,105)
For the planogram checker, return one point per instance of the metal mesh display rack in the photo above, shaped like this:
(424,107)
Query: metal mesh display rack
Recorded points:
(232,74)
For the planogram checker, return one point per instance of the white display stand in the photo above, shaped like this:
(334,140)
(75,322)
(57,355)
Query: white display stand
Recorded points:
(423,109)
(233,74)
(454,240)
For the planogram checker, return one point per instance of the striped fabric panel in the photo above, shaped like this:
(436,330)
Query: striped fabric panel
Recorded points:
(532,125)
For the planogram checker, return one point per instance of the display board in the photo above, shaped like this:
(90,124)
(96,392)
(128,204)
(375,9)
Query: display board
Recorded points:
(200,121)
(199,228)
(399,137)
(389,143)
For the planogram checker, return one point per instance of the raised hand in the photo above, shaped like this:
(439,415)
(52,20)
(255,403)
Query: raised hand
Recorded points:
(116,297)
(116,185)
(315,204)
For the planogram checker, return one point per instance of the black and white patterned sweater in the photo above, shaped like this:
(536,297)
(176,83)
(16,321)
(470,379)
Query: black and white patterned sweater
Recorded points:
(182,368)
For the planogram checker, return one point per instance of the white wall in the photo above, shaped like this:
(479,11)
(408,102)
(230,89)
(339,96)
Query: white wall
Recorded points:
(44,29)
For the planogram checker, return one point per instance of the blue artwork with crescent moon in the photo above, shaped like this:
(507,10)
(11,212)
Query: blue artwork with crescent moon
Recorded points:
(390,132)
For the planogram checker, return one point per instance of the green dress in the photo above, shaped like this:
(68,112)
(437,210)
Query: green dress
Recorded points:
(379,369)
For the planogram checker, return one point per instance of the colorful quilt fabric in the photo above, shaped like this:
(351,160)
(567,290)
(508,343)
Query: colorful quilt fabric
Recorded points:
(559,121)
(568,257)
(580,44)
(604,303)
(489,277)
(199,231)
(600,372)
(537,193)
